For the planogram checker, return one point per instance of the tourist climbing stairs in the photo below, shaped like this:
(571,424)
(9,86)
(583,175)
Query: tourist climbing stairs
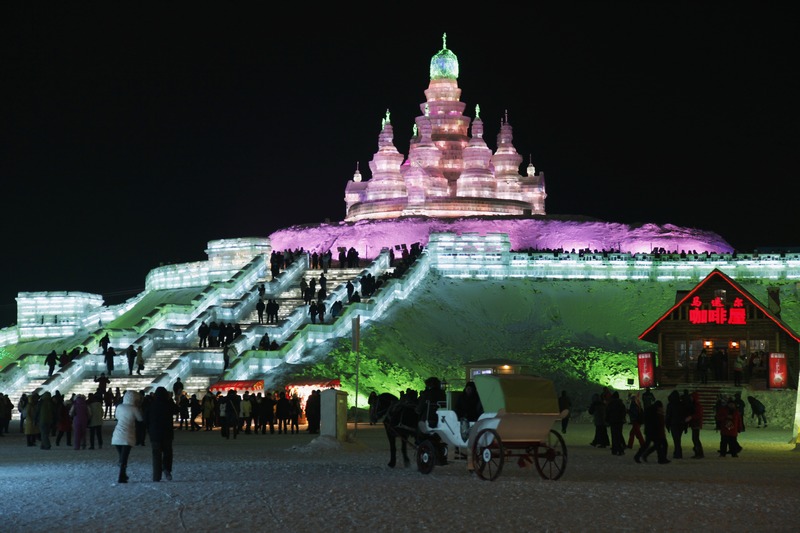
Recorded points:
(154,365)
(291,299)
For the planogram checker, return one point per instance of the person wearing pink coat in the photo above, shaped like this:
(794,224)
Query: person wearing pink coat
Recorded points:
(80,421)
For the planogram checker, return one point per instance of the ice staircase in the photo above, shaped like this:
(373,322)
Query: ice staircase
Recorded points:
(202,376)
(291,299)
(154,365)
(170,346)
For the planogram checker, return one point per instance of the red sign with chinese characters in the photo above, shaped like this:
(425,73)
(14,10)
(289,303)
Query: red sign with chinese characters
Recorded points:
(718,314)
(777,371)
(646,369)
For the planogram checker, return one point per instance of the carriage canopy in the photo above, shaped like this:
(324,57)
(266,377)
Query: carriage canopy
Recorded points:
(515,393)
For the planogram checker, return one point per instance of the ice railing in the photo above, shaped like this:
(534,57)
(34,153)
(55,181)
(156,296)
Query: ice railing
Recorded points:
(153,331)
(488,256)
(256,364)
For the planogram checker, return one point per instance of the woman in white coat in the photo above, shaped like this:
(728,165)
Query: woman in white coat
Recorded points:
(124,436)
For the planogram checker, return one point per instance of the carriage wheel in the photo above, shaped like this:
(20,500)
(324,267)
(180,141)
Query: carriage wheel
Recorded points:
(551,456)
(426,457)
(488,454)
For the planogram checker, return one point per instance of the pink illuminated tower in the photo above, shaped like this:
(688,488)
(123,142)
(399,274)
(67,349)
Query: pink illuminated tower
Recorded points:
(448,172)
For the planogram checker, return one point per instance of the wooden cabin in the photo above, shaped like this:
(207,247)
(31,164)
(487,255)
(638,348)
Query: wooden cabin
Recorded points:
(723,318)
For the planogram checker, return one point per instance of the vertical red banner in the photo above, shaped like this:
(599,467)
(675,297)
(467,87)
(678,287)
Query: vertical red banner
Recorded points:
(647,369)
(777,377)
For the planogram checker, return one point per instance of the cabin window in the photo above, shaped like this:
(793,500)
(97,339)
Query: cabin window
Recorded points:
(686,353)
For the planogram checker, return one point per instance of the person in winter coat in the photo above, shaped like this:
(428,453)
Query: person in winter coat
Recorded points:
(758,410)
(22,407)
(313,411)
(730,425)
(268,412)
(31,424)
(740,405)
(45,418)
(283,413)
(195,409)
(313,311)
(295,412)
(676,422)
(158,417)
(50,361)
(615,417)
(696,424)
(245,413)
(598,411)
(655,434)
(80,421)
(130,354)
(6,411)
(124,436)
(468,405)
(183,410)
(229,406)
(139,360)
(109,358)
(95,404)
(202,333)
(64,423)
(635,417)
(428,404)
(209,408)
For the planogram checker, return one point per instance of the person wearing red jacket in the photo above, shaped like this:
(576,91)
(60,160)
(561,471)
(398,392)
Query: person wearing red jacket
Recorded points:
(730,425)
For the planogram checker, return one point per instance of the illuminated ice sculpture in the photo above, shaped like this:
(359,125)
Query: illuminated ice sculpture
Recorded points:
(448,173)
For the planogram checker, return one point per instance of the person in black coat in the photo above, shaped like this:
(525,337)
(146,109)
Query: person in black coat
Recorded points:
(758,409)
(655,434)
(313,407)
(229,409)
(130,353)
(159,416)
(428,404)
(740,405)
(615,417)
(268,412)
(676,421)
(469,404)
(50,361)
(260,306)
(283,412)
(109,358)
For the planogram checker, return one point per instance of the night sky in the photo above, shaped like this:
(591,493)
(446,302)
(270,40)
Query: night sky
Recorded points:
(132,136)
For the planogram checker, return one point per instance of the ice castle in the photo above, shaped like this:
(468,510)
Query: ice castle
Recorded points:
(470,209)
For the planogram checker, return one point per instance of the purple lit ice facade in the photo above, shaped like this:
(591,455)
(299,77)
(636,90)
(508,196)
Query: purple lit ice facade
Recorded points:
(540,233)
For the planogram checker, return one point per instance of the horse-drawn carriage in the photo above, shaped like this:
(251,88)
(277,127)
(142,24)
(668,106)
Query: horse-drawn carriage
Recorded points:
(519,412)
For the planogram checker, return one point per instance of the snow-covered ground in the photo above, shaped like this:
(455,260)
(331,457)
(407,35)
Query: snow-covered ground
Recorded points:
(317,483)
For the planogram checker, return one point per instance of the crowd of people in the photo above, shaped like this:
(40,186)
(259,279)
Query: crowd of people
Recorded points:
(252,413)
(719,362)
(155,416)
(667,424)
(215,335)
